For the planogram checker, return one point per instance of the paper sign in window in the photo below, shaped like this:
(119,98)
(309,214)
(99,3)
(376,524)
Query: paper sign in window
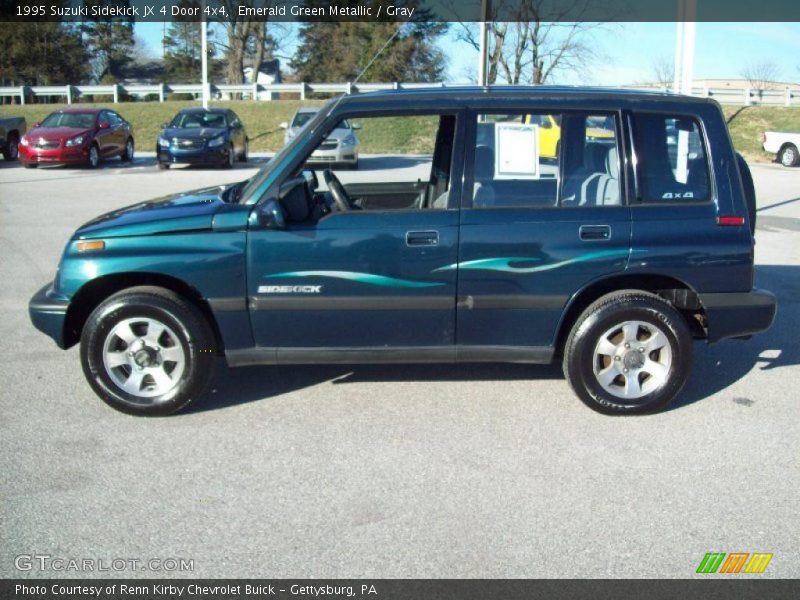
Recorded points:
(516,151)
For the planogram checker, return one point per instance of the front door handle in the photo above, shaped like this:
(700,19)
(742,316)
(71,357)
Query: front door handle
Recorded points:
(422,238)
(590,233)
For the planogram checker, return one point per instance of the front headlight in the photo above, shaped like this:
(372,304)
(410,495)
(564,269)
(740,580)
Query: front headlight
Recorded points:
(163,142)
(76,141)
(349,141)
(25,141)
(217,141)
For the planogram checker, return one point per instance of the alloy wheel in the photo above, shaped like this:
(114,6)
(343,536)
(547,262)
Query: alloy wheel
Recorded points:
(632,359)
(143,357)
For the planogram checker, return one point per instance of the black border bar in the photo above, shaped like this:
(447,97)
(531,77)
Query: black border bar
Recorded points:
(403,10)
(707,588)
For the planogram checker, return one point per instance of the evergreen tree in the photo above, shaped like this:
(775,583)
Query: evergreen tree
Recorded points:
(339,51)
(42,53)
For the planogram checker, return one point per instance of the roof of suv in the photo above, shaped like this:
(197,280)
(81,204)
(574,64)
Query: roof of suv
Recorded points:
(514,91)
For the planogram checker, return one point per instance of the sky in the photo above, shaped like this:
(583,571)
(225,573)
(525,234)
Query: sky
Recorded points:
(628,51)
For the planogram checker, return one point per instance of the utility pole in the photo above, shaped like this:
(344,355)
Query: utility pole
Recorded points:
(684,46)
(483,49)
(204,57)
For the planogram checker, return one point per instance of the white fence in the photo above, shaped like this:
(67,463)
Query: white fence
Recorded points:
(262,91)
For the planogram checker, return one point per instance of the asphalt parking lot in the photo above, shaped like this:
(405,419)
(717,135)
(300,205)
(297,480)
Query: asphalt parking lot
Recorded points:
(389,471)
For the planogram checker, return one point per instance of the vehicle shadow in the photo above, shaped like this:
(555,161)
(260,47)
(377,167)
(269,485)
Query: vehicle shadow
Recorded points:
(715,368)
(718,366)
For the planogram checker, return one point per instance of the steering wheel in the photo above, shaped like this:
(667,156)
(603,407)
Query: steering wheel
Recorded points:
(340,197)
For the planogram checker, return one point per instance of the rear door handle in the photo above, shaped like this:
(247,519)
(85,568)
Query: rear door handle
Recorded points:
(590,233)
(422,238)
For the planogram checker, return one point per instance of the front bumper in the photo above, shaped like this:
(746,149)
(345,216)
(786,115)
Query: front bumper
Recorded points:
(53,156)
(341,155)
(734,315)
(48,311)
(192,156)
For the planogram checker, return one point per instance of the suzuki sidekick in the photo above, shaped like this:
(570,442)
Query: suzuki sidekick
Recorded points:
(462,242)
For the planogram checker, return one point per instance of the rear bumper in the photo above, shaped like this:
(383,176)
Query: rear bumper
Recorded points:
(48,312)
(732,315)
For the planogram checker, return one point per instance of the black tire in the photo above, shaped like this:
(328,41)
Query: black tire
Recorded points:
(243,157)
(127,151)
(163,166)
(604,315)
(194,338)
(93,160)
(11,150)
(230,159)
(749,191)
(30,165)
(788,156)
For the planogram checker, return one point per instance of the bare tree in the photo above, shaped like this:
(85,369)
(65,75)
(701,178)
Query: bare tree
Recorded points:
(759,74)
(663,70)
(538,44)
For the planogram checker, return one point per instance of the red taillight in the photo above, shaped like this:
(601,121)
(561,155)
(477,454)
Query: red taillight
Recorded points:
(730,220)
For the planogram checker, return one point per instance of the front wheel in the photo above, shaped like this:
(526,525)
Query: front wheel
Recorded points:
(94,157)
(147,351)
(243,157)
(630,352)
(230,159)
(127,152)
(789,156)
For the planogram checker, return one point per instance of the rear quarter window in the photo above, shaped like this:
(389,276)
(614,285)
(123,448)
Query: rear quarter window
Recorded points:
(673,166)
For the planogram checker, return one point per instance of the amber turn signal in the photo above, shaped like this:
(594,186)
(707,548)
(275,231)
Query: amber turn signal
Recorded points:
(93,245)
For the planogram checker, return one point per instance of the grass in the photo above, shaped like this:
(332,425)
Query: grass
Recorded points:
(402,135)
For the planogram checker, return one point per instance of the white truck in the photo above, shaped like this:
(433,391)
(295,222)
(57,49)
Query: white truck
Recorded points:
(785,146)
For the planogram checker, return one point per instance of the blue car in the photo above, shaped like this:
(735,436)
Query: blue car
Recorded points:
(465,245)
(207,137)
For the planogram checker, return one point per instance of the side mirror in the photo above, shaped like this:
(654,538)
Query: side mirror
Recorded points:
(270,216)
(355,125)
(35,125)
(284,125)
(105,125)
(237,125)
(164,125)
(311,179)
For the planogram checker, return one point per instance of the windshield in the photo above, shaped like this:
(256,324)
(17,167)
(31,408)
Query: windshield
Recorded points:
(302,118)
(256,186)
(66,119)
(197,120)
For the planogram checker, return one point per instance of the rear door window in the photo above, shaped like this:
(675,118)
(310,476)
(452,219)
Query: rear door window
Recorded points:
(523,160)
(673,166)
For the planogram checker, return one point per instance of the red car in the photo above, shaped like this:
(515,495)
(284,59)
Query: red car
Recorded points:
(77,136)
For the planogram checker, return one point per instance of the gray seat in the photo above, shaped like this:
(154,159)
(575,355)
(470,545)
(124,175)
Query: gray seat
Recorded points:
(483,192)
(602,188)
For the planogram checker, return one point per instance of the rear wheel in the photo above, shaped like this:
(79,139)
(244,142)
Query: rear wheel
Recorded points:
(244,155)
(163,166)
(629,352)
(146,351)
(789,156)
(11,151)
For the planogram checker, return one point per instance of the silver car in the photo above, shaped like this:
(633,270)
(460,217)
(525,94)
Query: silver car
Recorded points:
(340,147)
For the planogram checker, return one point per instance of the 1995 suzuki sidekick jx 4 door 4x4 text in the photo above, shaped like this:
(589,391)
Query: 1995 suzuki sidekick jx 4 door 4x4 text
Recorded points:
(630,237)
